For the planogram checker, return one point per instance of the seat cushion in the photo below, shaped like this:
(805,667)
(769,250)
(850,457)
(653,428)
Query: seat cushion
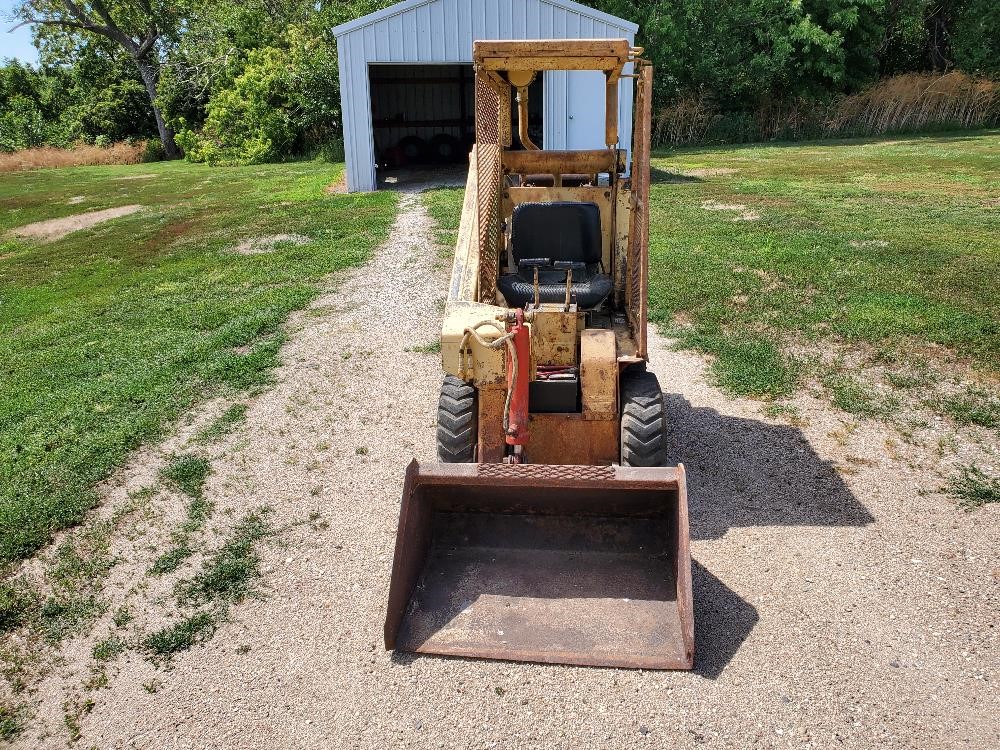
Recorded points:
(588,293)
(564,230)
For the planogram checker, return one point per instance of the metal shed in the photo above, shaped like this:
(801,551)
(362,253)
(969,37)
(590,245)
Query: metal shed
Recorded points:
(406,73)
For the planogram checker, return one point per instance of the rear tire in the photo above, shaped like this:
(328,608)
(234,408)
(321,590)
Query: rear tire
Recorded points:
(457,432)
(644,420)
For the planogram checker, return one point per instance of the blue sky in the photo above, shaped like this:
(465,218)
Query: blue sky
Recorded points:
(17,44)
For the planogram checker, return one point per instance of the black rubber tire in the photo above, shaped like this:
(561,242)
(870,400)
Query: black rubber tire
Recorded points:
(644,420)
(445,149)
(414,149)
(457,432)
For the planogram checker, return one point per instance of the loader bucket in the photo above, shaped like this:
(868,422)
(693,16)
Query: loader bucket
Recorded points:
(544,563)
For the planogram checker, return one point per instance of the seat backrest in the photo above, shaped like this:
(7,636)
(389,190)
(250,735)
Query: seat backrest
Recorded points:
(564,230)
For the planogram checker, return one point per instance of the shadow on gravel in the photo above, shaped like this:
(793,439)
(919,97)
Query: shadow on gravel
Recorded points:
(722,621)
(743,472)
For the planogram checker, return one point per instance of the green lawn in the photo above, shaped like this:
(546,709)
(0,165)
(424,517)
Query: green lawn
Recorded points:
(109,333)
(759,250)
(763,254)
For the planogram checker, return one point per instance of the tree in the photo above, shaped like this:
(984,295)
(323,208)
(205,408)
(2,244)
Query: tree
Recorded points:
(137,26)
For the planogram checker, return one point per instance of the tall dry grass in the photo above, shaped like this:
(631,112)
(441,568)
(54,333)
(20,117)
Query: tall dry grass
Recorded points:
(81,155)
(918,101)
(904,103)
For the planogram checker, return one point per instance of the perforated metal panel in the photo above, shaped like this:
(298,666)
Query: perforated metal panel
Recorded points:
(489,139)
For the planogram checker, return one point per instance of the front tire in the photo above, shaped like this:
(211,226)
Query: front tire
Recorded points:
(457,422)
(644,420)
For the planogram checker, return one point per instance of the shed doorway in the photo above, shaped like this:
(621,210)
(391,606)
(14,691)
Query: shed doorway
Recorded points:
(424,116)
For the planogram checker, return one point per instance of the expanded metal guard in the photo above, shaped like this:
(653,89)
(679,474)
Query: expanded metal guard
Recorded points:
(492,104)
(638,250)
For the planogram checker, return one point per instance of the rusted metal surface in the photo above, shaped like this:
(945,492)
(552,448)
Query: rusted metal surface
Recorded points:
(564,162)
(571,439)
(598,374)
(638,257)
(553,335)
(559,564)
(490,446)
(489,146)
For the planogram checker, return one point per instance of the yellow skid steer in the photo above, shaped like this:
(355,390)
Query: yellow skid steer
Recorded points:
(552,529)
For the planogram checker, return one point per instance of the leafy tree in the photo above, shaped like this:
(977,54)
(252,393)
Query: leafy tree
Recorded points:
(136,26)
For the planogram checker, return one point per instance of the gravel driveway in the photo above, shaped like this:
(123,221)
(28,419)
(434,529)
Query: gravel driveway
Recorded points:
(833,609)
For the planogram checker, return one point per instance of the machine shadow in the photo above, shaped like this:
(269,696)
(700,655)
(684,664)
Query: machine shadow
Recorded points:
(722,621)
(657,175)
(744,472)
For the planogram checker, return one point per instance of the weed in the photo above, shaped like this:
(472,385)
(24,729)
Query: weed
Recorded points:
(789,412)
(230,574)
(224,424)
(17,602)
(170,560)
(434,347)
(851,396)
(188,474)
(122,616)
(973,488)
(109,649)
(11,721)
(64,615)
(975,406)
(361,450)
(243,649)
(196,628)
(152,686)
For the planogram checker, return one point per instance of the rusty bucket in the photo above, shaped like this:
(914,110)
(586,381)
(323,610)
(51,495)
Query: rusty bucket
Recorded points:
(544,563)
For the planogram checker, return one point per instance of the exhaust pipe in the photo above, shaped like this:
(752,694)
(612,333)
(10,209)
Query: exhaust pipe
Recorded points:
(585,565)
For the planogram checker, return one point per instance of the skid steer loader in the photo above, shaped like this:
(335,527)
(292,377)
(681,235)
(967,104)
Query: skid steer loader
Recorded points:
(551,530)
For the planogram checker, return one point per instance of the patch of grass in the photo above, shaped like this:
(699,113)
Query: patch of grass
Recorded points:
(976,406)
(11,721)
(112,332)
(433,347)
(224,424)
(66,614)
(187,473)
(123,616)
(973,488)
(17,603)
(855,398)
(182,635)
(170,560)
(230,575)
(746,365)
(445,207)
(109,649)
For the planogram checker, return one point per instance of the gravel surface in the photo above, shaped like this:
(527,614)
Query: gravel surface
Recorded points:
(833,609)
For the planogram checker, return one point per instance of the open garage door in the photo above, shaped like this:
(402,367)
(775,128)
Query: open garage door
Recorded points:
(424,115)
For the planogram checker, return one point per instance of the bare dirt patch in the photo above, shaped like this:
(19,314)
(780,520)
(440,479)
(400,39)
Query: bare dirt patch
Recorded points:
(709,172)
(337,188)
(137,177)
(76,199)
(54,229)
(740,209)
(258,245)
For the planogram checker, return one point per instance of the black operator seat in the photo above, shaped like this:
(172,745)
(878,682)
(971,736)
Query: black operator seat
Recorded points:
(545,234)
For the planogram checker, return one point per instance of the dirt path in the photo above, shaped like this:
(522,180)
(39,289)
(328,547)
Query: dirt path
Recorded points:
(833,609)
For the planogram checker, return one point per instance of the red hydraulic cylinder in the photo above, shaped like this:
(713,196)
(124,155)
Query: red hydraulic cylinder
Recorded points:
(517,421)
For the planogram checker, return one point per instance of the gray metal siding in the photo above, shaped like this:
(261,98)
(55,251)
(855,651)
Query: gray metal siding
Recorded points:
(442,31)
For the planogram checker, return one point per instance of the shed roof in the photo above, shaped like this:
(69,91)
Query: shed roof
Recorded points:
(406,5)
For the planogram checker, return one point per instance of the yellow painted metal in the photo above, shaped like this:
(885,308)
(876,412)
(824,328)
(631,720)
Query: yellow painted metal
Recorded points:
(553,335)
(598,374)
